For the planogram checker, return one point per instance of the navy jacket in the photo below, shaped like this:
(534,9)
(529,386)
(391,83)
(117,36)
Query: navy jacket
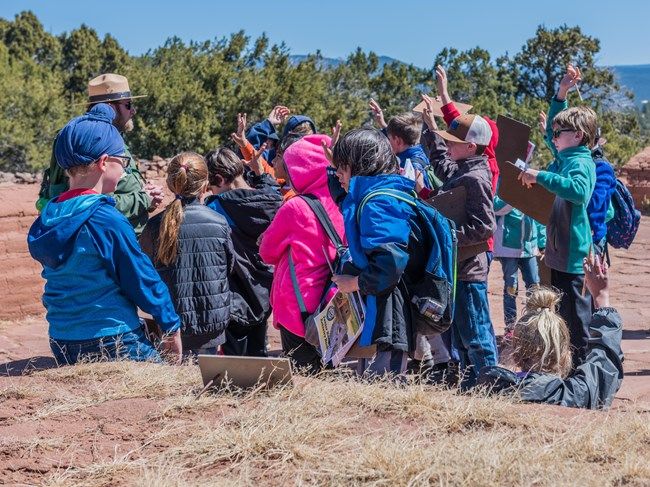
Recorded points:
(249,213)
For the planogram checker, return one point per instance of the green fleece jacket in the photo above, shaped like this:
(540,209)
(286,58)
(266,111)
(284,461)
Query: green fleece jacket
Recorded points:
(517,235)
(571,177)
(130,197)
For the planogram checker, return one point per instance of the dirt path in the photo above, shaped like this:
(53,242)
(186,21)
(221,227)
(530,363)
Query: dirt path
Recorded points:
(23,331)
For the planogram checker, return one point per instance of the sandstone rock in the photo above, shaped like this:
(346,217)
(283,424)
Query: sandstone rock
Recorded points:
(7,177)
(637,178)
(641,161)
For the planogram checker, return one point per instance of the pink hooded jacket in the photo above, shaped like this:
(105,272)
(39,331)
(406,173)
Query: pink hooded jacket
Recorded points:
(295,228)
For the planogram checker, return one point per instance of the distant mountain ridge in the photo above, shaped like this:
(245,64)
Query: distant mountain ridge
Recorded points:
(635,78)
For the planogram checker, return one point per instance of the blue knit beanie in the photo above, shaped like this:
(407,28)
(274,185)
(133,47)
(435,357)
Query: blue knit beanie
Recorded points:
(87,137)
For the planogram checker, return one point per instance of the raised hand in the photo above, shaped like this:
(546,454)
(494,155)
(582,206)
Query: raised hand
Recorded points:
(327,150)
(571,78)
(378,114)
(336,133)
(542,123)
(597,279)
(427,114)
(442,83)
(239,137)
(255,164)
(278,115)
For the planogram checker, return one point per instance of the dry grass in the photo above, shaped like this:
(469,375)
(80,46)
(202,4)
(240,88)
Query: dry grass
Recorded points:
(331,430)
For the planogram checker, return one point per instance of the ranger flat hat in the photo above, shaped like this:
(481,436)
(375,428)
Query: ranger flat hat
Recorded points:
(109,87)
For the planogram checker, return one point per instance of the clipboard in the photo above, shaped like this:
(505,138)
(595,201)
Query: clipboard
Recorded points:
(463,108)
(513,140)
(536,202)
(451,204)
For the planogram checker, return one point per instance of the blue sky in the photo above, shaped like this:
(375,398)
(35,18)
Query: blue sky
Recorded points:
(409,30)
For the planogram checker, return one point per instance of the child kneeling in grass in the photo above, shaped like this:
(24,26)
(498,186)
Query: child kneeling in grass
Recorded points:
(541,351)
(96,275)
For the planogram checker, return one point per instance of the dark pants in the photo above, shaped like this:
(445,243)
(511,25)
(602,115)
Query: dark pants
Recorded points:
(245,341)
(303,355)
(133,345)
(575,309)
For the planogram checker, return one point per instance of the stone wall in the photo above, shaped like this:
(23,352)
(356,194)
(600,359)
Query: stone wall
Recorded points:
(154,169)
(636,174)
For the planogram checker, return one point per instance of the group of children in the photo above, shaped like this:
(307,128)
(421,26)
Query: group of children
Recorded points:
(242,241)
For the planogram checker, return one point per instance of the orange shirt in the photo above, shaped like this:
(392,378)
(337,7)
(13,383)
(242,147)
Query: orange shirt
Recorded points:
(248,152)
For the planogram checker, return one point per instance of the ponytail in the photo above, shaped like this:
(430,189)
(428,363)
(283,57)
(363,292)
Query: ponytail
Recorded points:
(541,338)
(187,178)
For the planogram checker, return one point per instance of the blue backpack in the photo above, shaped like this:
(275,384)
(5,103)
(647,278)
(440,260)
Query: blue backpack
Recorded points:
(622,228)
(432,297)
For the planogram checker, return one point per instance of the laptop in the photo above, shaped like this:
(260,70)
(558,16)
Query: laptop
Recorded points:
(244,372)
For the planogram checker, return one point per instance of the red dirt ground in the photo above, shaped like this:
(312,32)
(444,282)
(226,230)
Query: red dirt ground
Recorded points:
(21,288)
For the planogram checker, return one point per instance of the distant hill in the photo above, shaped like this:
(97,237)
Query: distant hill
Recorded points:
(329,62)
(635,78)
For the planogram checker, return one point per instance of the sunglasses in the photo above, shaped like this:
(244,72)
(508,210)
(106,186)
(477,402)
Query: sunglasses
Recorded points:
(558,132)
(125,161)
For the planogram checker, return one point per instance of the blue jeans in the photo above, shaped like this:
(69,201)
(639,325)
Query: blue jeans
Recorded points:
(133,346)
(472,332)
(511,267)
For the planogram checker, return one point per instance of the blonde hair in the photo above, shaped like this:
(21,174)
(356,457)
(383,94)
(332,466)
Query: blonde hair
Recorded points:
(187,178)
(581,119)
(540,338)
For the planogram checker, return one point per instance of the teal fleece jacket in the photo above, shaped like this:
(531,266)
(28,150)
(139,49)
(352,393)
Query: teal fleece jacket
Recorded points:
(571,177)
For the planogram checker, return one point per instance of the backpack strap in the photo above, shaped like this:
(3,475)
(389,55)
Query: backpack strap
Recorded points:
(322,216)
(304,314)
(325,222)
(408,198)
(218,207)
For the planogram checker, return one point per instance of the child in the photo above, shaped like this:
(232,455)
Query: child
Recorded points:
(457,159)
(190,246)
(403,132)
(541,352)
(265,131)
(571,178)
(249,211)
(296,231)
(96,275)
(518,240)
(385,242)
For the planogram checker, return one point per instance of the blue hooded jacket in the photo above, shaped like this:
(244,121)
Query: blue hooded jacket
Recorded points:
(598,209)
(379,242)
(95,272)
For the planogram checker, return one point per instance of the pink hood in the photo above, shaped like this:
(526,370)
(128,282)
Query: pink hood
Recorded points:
(295,228)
